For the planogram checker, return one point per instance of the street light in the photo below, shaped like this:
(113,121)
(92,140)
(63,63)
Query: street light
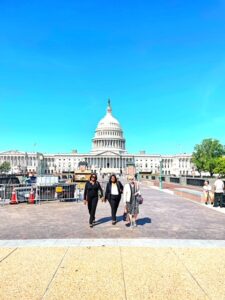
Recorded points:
(160,173)
(138,172)
(40,159)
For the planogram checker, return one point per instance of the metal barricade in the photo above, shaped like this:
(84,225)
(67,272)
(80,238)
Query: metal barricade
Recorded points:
(61,192)
(21,190)
(2,194)
(66,192)
(57,192)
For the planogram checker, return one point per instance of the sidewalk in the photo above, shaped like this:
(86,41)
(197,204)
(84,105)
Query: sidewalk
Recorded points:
(194,195)
(112,273)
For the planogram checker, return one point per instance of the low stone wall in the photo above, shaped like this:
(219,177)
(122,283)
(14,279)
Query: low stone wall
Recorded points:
(183,181)
(190,194)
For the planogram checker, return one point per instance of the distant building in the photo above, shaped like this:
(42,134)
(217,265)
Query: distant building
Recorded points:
(108,155)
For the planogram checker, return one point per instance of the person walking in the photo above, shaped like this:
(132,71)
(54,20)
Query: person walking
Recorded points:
(131,191)
(92,192)
(207,191)
(114,190)
(219,190)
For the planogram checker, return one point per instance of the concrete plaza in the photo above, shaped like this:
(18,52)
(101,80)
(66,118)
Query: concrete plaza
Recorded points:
(162,216)
(48,251)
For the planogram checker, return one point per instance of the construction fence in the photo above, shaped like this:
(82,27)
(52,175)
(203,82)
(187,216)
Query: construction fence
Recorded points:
(18,193)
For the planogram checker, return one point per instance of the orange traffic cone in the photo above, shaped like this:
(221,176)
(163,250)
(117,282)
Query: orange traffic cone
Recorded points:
(31,199)
(14,197)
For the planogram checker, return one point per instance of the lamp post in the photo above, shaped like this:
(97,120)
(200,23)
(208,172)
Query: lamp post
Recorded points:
(40,159)
(160,174)
(138,172)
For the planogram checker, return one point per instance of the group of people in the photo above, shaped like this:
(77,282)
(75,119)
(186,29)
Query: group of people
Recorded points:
(113,194)
(214,195)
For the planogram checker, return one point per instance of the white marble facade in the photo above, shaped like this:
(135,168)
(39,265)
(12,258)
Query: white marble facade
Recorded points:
(108,154)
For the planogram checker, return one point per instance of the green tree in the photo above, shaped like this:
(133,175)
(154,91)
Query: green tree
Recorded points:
(5,167)
(220,166)
(206,154)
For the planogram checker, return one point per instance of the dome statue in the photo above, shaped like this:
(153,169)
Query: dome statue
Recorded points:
(109,134)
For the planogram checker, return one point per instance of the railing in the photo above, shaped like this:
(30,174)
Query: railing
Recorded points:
(175,179)
(195,181)
(184,181)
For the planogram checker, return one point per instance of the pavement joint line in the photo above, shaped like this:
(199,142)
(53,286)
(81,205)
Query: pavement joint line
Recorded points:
(124,282)
(50,282)
(190,273)
(141,242)
(8,255)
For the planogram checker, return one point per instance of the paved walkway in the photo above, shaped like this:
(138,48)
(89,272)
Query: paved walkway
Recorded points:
(162,216)
(176,252)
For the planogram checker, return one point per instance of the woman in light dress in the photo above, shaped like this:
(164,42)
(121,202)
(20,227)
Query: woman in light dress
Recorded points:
(207,192)
(131,191)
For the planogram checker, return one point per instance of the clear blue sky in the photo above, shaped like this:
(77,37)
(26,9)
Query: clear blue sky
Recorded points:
(161,62)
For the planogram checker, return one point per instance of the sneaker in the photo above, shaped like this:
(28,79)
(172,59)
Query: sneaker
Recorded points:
(91,225)
(132,224)
(113,222)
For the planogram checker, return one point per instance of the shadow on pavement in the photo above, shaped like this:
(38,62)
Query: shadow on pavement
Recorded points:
(108,219)
(143,221)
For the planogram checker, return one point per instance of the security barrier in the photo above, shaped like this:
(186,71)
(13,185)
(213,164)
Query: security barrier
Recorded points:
(6,191)
(37,193)
(61,192)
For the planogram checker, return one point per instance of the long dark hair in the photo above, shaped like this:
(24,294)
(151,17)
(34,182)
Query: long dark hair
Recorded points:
(110,178)
(95,175)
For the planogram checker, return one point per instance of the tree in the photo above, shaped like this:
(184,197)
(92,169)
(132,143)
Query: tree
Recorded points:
(5,167)
(220,166)
(205,155)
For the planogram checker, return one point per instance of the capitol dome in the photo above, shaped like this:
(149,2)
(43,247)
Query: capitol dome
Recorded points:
(109,134)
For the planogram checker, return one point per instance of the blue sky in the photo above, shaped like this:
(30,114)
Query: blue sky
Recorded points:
(162,63)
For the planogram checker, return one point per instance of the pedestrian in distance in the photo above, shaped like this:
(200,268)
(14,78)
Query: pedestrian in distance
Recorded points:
(131,191)
(218,192)
(207,192)
(92,193)
(113,192)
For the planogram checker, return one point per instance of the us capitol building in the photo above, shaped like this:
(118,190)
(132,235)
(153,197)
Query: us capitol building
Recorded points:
(108,155)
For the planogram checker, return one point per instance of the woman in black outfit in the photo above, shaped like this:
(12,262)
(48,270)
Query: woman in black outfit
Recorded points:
(92,192)
(113,192)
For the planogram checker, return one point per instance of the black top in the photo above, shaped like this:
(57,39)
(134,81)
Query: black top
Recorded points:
(108,189)
(91,190)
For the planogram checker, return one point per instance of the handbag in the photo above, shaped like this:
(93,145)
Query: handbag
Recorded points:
(140,199)
(100,194)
